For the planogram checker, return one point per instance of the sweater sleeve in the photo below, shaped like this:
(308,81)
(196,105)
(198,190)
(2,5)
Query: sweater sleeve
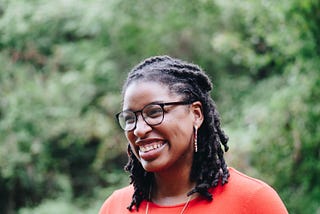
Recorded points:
(265,201)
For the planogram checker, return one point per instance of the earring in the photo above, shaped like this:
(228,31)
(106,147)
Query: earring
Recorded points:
(195,139)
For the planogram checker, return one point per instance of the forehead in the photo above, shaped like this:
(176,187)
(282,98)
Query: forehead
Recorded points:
(138,94)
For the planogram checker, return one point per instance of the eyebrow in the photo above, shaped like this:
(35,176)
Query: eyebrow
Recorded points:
(154,102)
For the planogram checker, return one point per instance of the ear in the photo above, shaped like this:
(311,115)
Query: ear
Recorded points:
(196,109)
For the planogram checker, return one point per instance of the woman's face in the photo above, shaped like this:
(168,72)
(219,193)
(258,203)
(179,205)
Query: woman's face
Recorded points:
(168,145)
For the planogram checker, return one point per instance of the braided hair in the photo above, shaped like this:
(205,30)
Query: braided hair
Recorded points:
(188,80)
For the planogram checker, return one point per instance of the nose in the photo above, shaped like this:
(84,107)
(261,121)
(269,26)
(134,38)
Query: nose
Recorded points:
(142,128)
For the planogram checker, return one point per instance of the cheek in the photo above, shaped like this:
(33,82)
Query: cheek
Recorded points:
(133,149)
(130,136)
(179,127)
(131,140)
(180,133)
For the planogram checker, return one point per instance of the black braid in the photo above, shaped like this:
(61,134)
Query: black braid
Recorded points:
(140,192)
(209,167)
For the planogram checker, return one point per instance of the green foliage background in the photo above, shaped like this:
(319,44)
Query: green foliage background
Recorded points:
(63,62)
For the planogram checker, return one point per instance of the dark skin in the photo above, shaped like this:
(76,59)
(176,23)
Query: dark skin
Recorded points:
(187,81)
(168,147)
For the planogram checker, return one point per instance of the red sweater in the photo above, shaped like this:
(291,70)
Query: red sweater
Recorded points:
(242,194)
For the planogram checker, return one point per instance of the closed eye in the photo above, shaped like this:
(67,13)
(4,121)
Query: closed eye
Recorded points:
(153,112)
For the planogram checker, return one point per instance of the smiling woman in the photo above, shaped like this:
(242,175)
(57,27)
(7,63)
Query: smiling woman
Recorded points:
(176,156)
(162,145)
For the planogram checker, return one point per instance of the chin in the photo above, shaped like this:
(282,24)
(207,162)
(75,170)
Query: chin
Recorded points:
(149,168)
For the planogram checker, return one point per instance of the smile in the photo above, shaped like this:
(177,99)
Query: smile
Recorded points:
(150,147)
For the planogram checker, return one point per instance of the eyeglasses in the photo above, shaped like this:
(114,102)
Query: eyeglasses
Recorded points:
(152,114)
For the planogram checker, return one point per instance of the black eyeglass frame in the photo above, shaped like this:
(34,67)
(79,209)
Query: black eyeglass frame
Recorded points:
(142,115)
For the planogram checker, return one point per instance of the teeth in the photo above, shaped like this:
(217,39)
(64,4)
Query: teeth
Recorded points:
(147,148)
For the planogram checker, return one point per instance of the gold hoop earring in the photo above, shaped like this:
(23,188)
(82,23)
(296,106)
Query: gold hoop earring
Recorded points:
(195,139)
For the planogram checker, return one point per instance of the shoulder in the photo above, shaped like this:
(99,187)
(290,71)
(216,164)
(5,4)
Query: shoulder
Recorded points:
(118,201)
(123,192)
(249,194)
(241,180)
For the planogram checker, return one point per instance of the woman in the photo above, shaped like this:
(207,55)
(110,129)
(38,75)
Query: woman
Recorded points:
(176,159)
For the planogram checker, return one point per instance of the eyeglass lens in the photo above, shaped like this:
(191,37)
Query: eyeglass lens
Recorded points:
(152,114)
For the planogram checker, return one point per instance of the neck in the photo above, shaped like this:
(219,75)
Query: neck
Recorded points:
(172,187)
